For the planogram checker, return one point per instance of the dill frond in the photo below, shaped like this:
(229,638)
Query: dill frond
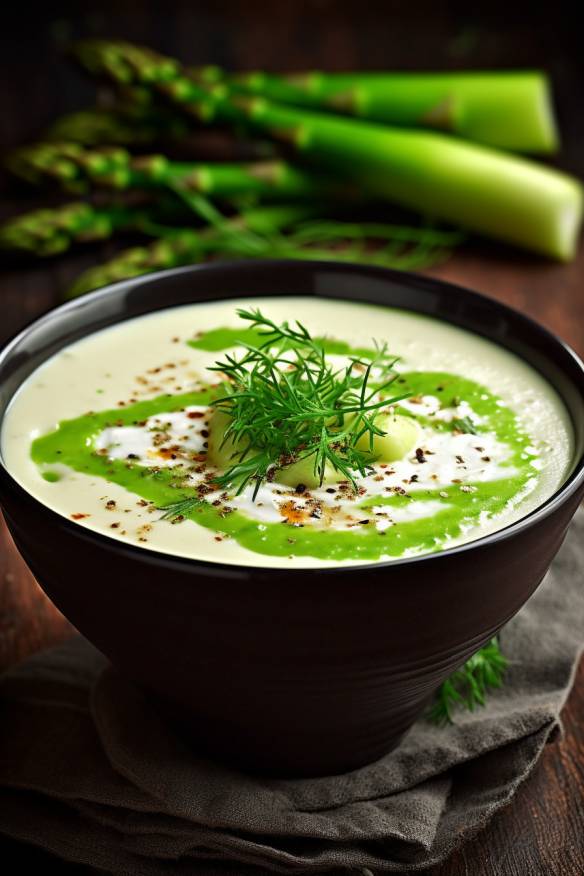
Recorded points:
(468,687)
(286,402)
(176,511)
(464,424)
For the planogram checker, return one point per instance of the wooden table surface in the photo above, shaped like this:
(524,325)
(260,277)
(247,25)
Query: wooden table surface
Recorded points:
(541,833)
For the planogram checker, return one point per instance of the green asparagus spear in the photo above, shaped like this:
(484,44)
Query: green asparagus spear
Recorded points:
(257,232)
(486,191)
(77,169)
(52,231)
(191,245)
(509,110)
(130,127)
(128,65)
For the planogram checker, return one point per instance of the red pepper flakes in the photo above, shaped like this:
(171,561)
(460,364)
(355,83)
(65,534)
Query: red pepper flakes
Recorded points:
(292,514)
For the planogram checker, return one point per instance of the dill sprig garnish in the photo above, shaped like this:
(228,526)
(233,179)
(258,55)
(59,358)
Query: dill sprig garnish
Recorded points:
(286,402)
(464,424)
(469,685)
(176,511)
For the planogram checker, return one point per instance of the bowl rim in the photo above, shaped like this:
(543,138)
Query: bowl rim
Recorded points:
(573,482)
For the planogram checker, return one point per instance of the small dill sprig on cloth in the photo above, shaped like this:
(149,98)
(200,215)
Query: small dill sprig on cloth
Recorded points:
(469,685)
(286,402)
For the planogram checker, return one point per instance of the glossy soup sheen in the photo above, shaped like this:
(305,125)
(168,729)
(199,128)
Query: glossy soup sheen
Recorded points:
(113,428)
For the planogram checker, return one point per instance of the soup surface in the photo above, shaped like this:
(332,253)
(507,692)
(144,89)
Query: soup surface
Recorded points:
(113,432)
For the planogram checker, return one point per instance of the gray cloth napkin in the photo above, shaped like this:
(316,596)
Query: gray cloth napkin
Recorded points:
(91,773)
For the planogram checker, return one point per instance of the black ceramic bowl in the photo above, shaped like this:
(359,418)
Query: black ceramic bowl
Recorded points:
(308,671)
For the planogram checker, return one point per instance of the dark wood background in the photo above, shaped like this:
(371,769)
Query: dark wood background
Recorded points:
(542,832)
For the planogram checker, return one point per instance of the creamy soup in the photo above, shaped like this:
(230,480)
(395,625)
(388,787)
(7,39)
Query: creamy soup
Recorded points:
(115,433)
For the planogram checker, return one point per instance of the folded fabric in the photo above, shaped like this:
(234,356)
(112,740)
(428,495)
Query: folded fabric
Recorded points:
(91,772)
